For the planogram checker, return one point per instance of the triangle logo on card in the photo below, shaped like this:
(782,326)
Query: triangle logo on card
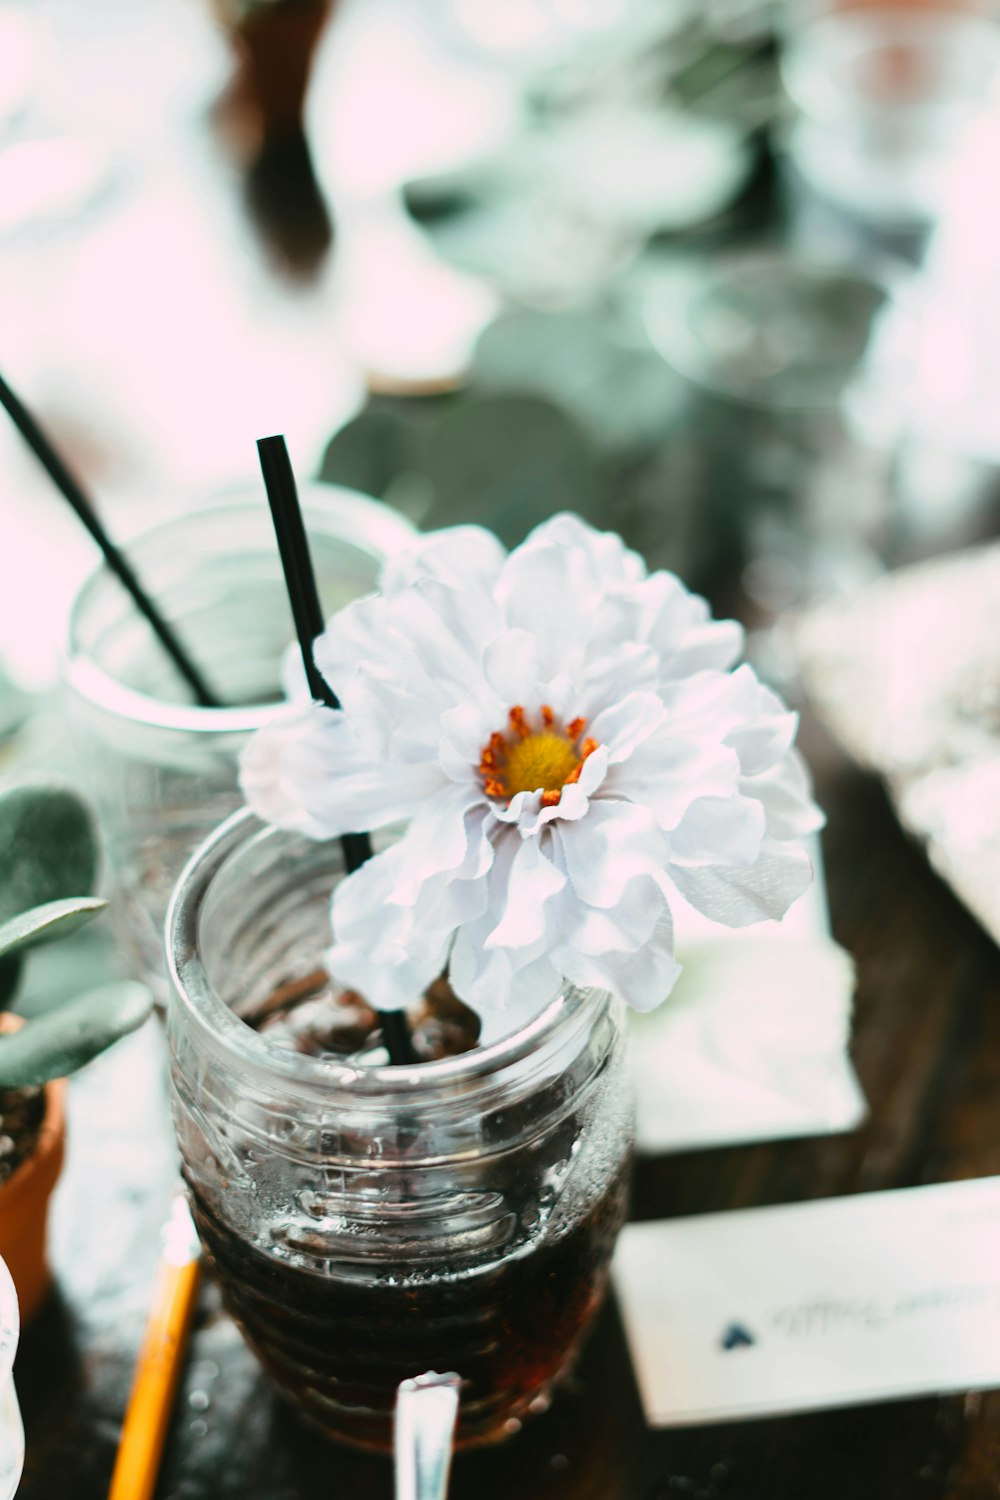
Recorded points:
(737,1337)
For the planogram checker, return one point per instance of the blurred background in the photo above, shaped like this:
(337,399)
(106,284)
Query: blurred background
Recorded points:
(718,274)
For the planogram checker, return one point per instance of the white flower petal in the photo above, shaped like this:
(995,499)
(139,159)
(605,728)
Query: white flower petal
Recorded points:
(739,897)
(675,624)
(562,694)
(448,629)
(607,849)
(680,627)
(393,700)
(710,705)
(612,671)
(626,724)
(365,631)
(522,807)
(488,977)
(593,773)
(572,805)
(785,794)
(545,593)
(643,978)
(464,732)
(263,781)
(667,773)
(711,645)
(377,949)
(460,556)
(398,664)
(736,709)
(622,929)
(307,772)
(446,837)
(763,740)
(487,980)
(531,881)
(719,829)
(511,667)
(609,561)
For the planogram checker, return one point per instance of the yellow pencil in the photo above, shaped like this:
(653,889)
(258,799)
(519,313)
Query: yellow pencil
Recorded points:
(160,1360)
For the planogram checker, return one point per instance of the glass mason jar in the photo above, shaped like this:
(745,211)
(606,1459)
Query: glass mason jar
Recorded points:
(370,1223)
(11,1430)
(161,770)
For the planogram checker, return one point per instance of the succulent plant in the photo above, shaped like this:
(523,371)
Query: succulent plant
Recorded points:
(48,862)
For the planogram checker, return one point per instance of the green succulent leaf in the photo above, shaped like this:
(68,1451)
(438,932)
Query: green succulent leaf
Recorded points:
(48,846)
(53,1045)
(44,924)
(10,974)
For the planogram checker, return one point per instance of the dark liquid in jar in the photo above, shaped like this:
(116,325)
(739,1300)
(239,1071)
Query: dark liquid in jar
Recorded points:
(340,1338)
(341,1346)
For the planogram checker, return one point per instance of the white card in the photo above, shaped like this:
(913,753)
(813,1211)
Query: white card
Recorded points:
(838,1303)
(752,1043)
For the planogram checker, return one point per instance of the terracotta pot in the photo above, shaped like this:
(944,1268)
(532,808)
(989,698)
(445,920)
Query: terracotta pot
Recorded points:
(24,1205)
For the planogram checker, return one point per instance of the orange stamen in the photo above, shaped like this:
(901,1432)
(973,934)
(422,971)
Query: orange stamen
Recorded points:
(575,728)
(550,799)
(548,717)
(518,722)
(586,750)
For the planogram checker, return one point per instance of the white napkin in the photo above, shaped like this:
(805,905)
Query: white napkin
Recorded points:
(752,1044)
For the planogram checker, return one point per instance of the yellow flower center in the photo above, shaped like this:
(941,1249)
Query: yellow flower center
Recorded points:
(542,762)
(542,759)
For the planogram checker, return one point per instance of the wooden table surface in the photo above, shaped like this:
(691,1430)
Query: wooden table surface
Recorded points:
(927,1050)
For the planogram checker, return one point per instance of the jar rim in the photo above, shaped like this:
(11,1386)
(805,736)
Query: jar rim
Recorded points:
(193,993)
(356,518)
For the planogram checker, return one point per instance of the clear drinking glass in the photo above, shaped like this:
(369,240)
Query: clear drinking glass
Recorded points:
(879,97)
(766,342)
(11,1431)
(161,770)
(369,1223)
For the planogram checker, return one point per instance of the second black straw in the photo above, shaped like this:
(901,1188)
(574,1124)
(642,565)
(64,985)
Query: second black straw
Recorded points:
(72,491)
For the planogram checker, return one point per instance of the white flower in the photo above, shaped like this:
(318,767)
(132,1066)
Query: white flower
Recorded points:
(562,738)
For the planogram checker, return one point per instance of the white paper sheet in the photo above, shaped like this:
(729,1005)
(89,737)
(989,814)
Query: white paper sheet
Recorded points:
(752,1044)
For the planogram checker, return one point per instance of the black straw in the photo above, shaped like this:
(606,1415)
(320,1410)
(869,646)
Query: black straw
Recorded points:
(293,545)
(300,580)
(113,556)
